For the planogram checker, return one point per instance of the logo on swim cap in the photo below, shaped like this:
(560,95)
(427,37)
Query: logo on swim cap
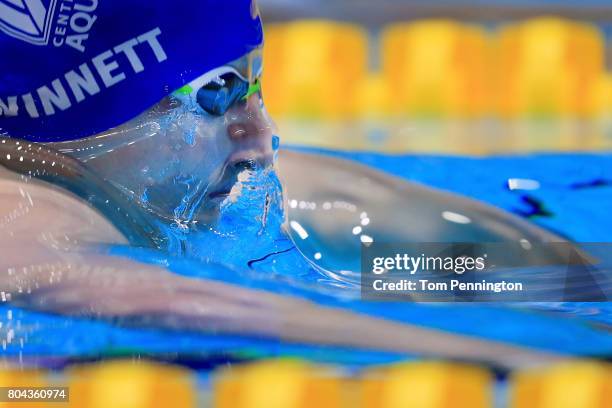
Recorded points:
(27,20)
(56,22)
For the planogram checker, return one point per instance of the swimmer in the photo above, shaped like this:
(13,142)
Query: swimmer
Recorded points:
(52,262)
(152,117)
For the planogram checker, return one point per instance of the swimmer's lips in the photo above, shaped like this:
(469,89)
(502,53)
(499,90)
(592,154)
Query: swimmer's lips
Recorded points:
(221,190)
(219,195)
(239,162)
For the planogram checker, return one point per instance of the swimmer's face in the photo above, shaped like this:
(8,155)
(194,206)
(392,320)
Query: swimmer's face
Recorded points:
(185,154)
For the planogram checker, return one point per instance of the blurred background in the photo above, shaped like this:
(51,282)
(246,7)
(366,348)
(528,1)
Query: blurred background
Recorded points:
(422,80)
(468,77)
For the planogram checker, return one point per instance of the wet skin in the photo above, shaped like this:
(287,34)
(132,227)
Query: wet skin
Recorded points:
(172,151)
(51,239)
(51,261)
(396,212)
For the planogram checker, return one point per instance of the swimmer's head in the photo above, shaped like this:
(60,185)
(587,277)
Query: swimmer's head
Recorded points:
(162,99)
(181,158)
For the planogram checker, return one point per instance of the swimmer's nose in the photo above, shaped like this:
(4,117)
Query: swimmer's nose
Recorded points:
(248,121)
(239,131)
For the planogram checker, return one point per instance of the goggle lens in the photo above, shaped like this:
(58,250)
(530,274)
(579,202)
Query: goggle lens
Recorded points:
(217,97)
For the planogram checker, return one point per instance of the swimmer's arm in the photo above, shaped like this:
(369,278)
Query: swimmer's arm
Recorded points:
(47,264)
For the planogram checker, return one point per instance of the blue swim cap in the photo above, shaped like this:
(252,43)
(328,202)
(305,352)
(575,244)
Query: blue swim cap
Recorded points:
(73,68)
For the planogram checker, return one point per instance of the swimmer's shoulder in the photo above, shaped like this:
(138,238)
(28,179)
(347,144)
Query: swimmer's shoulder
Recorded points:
(31,208)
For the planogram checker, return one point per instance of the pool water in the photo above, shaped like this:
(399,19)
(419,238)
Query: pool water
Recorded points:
(569,200)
